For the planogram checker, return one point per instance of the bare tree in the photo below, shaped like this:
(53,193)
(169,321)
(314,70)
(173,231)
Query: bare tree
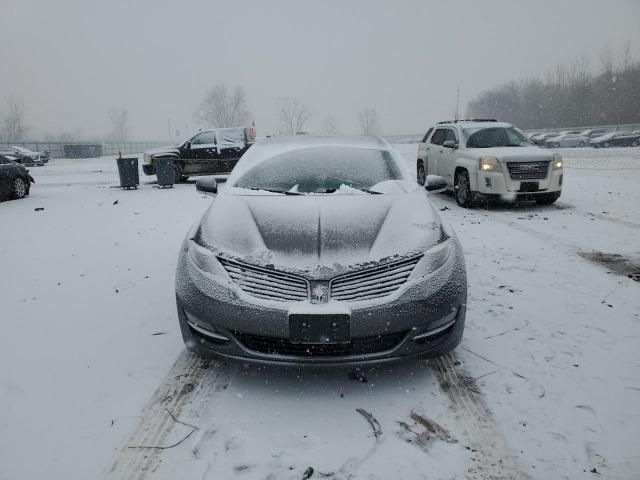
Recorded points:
(293,115)
(606,59)
(119,118)
(329,125)
(14,127)
(625,57)
(223,108)
(368,119)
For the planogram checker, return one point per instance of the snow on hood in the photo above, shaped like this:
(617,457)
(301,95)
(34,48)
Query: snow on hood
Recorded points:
(320,233)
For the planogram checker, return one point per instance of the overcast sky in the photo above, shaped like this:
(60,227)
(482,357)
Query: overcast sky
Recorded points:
(73,60)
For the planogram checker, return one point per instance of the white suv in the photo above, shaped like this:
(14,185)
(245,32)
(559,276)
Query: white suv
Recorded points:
(484,159)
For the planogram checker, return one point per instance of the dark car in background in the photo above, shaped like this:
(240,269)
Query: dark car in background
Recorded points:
(616,139)
(321,250)
(15,181)
(208,152)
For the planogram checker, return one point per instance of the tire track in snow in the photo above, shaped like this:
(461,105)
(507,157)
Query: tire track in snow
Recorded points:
(190,383)
(493,459)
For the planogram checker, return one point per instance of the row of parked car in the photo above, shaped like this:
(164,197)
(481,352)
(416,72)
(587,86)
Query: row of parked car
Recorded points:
(594,137)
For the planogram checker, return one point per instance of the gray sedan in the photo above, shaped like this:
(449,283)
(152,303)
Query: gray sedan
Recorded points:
(567,140)
(321,250)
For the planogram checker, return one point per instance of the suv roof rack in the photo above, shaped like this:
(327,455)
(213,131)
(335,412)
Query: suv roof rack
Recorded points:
(469,120)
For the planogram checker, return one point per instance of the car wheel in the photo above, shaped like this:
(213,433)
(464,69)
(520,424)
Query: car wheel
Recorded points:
(547,198)
(462,189)
(606,144)
(422,175)
(19,188)
(634,143)
(582,144)
(555,145)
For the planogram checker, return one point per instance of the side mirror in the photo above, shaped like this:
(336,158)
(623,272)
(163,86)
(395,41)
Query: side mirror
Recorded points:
(187,145)
(450,144)
(435,184)
(207,185)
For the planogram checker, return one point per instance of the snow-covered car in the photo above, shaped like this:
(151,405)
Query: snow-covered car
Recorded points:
(486,159)
(541,137)
(616,139)
(593,132)
(565,140)
(15,181)
(207,152)
(22,155)
(321,250)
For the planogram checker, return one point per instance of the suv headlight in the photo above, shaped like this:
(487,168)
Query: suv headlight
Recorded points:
(147,158)
(489,164)
(556,161)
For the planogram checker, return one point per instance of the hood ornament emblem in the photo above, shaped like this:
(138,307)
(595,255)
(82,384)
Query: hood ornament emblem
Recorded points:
(319,293)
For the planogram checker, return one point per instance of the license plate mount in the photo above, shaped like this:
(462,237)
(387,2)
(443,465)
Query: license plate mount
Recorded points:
(529,186)
(319,329)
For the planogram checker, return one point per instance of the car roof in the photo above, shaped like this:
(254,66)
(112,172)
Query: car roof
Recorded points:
(294,142)
(472,124)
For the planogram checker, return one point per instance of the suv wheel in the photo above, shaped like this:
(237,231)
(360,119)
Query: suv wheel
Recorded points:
(422,174)
(606,144)
(462,189)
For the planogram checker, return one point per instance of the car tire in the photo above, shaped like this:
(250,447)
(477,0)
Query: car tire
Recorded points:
(462,189)
(19,188)
(177,168)
(606,144)
(555,145)
(634,143)
(421,175)
(547,198)
(582,144)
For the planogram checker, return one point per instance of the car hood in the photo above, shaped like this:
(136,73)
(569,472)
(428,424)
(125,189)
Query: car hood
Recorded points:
(321,233)
(515,154)
(157,151)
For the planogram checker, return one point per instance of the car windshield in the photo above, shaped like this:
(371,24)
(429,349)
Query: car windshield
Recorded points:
(325,170)
(495,137)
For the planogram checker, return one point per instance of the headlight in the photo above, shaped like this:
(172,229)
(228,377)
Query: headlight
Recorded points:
(434,258)
(205,259)
(556,160)
(489,164)
(147,158)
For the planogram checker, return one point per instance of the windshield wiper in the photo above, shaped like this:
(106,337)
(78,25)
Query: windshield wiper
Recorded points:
(272,190)
(362,189)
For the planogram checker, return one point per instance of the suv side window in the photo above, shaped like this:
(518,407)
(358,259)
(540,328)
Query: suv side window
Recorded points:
(204,138)
(451,136)
(438,137)
(426,135)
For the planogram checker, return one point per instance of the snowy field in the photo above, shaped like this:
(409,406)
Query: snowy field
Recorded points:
(95,382)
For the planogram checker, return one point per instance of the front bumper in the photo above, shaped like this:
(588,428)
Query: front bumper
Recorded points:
(425,318)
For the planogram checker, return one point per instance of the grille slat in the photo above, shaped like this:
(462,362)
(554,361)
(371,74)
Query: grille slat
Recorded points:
(373,283)
(528,170)
(357,346)
(265,283)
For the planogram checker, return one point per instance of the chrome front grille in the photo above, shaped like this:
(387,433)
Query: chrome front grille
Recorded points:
(528,170)
(265,283)
(372,283)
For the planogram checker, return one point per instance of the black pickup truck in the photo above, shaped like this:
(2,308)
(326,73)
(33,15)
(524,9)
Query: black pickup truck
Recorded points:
(208,152)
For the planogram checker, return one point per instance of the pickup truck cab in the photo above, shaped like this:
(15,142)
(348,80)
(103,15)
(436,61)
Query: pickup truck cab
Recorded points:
(485,159)
(208,152)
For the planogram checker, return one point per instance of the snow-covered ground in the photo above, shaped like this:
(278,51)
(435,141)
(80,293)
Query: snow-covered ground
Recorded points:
(546,383)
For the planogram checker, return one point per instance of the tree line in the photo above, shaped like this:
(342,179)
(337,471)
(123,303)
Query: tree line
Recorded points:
(569,95)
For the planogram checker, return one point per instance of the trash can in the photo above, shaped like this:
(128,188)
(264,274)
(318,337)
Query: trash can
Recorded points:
(165,171)
(128,171)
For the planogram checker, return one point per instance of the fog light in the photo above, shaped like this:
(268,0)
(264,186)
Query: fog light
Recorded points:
(204,330)
(443,325)
(560,181)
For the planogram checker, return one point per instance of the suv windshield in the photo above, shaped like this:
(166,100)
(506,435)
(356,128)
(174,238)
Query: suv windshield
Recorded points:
(323,170)
(495,137)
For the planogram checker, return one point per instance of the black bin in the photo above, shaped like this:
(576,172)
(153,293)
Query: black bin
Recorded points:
(165,171)
(128,171)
